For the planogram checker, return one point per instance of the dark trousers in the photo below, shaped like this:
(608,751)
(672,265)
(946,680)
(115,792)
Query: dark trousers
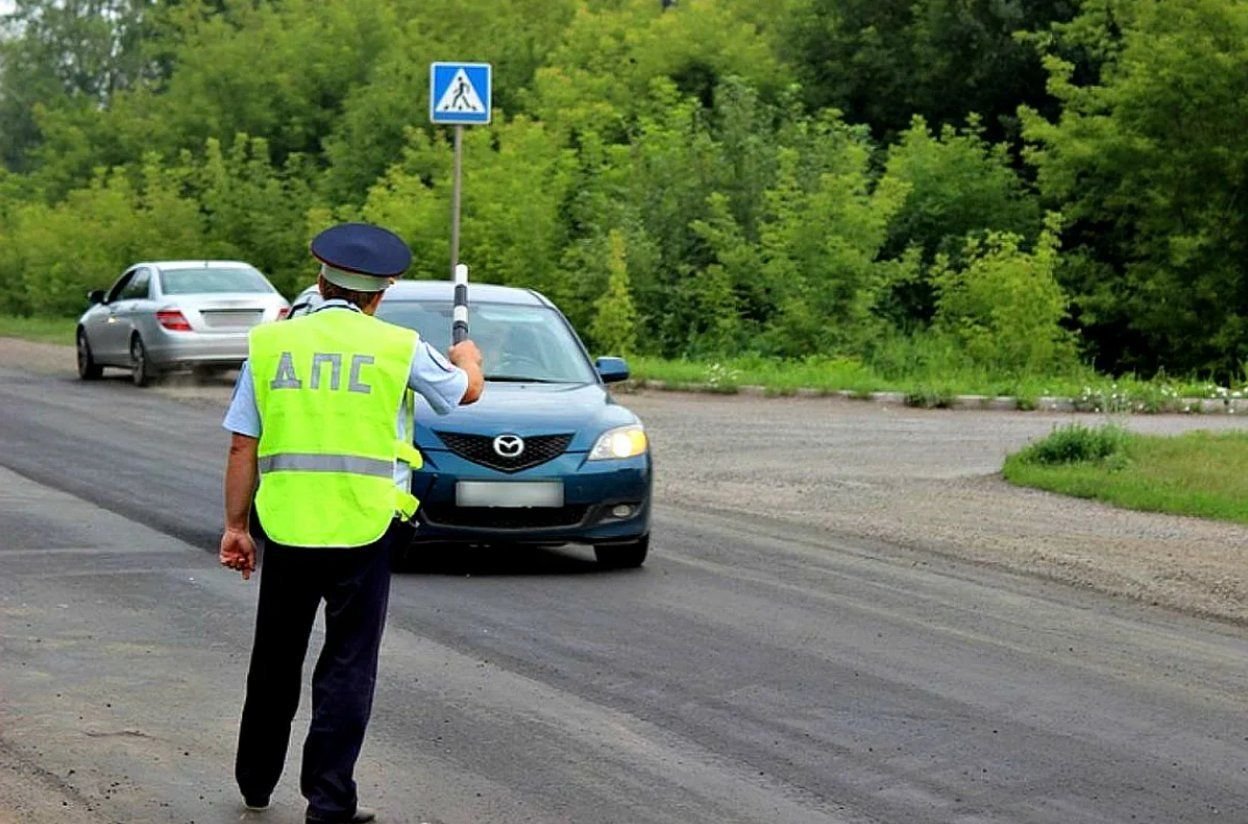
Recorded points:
(354,583)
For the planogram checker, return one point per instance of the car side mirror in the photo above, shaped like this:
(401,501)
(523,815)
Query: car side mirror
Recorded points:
(95,296)
(612,370)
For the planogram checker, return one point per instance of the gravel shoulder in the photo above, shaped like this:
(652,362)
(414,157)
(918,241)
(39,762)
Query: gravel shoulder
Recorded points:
(920,480)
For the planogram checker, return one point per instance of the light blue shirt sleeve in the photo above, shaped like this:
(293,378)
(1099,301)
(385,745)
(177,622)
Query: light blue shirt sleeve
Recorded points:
(436,380)
(243,416)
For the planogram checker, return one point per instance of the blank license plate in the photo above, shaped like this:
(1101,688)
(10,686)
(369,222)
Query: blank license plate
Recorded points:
(509,494)
(232,319)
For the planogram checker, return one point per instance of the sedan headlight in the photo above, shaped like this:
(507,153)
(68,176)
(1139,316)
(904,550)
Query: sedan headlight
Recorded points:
(621,442)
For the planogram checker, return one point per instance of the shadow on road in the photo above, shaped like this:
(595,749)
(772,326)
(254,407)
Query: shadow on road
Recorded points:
(498,560)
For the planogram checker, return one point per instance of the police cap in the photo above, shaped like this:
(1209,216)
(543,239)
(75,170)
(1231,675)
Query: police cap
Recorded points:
(360,257)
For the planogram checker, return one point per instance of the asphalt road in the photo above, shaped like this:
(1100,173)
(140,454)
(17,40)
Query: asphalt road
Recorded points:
(755,670)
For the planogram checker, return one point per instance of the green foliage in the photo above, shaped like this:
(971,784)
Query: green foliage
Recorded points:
(51,256)
(1004,305)
(276,70)
(612,54)
(884,61)
(1148,166)
(1076,443)
(614,328)
(255,211)
(957,184)
(515,36)
(68,55)
(828,179)
(515,181)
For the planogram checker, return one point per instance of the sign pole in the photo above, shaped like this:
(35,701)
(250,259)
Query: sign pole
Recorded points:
(456,184)
(458,274)
(459,328)
(459,94)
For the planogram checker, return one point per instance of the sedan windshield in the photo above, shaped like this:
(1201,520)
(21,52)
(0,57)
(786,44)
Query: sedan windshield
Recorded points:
(204,280)
(518,343)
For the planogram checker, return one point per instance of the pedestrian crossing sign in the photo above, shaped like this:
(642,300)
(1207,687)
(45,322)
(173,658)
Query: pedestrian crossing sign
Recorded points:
(459,93)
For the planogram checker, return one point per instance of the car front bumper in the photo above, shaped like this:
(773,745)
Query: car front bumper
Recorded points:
(593,491)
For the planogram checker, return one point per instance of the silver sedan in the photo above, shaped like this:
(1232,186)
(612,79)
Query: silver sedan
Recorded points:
(166,315)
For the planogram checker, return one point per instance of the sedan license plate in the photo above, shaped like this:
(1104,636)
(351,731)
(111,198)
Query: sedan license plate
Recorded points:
(509,493)
(232,318)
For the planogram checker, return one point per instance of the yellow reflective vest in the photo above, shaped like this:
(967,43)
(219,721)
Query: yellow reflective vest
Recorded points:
(329,389)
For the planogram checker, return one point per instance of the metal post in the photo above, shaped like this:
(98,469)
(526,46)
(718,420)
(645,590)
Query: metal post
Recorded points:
(459,273)
(455,187)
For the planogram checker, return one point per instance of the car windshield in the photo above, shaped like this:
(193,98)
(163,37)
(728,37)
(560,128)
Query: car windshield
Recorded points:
(518,343)
(210,280)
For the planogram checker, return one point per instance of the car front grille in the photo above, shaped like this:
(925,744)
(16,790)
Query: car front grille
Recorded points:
(488,517)
(538,449)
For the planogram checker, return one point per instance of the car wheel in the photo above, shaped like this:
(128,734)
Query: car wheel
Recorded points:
(623,556)
(88,369)
(142,372)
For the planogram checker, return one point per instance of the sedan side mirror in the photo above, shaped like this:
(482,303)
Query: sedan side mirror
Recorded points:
(95,296)
(612,370)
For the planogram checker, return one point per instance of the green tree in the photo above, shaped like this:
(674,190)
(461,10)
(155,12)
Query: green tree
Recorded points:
(821,239)
(1004,305)
(52,255)
(1148,167)
(254,210)
(884,61)
(615,318)
(56,54)
(515,36)
(957,184)
(613,53)
(516,178)
(280,71)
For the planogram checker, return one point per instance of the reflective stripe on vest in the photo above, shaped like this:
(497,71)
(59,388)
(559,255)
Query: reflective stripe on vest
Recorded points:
(304,462)
(330,387)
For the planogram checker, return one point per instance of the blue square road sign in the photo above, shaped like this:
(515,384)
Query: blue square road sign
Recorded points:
(459,93)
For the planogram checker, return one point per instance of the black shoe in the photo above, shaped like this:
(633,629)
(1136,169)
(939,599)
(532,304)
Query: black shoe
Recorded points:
(256,805)
(361,815)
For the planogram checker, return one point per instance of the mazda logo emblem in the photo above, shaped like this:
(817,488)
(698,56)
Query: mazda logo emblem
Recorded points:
(509,446)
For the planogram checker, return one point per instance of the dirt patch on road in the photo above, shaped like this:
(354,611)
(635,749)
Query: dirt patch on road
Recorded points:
(30,793)
(55,359)
(929,480)
(924,480)
(45,358)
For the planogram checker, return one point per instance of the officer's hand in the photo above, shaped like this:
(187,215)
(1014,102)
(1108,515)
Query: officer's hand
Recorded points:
(465,354)
(238,551)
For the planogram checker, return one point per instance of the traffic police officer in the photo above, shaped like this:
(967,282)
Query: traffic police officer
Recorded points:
(315,416)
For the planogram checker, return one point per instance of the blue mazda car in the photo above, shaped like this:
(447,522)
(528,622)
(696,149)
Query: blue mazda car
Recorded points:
(546,456)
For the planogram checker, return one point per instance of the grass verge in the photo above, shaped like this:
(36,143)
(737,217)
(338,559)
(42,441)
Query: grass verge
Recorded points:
(933,384)
(46,330)
(1201,473)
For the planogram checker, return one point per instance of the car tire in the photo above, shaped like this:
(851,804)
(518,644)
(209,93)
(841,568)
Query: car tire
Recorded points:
(623,556)
(140,365)
(88,369)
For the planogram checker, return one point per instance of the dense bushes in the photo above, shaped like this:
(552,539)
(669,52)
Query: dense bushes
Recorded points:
(796,178)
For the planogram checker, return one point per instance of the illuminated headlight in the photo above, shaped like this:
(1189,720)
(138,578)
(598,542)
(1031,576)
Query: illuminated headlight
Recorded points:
(622,442)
